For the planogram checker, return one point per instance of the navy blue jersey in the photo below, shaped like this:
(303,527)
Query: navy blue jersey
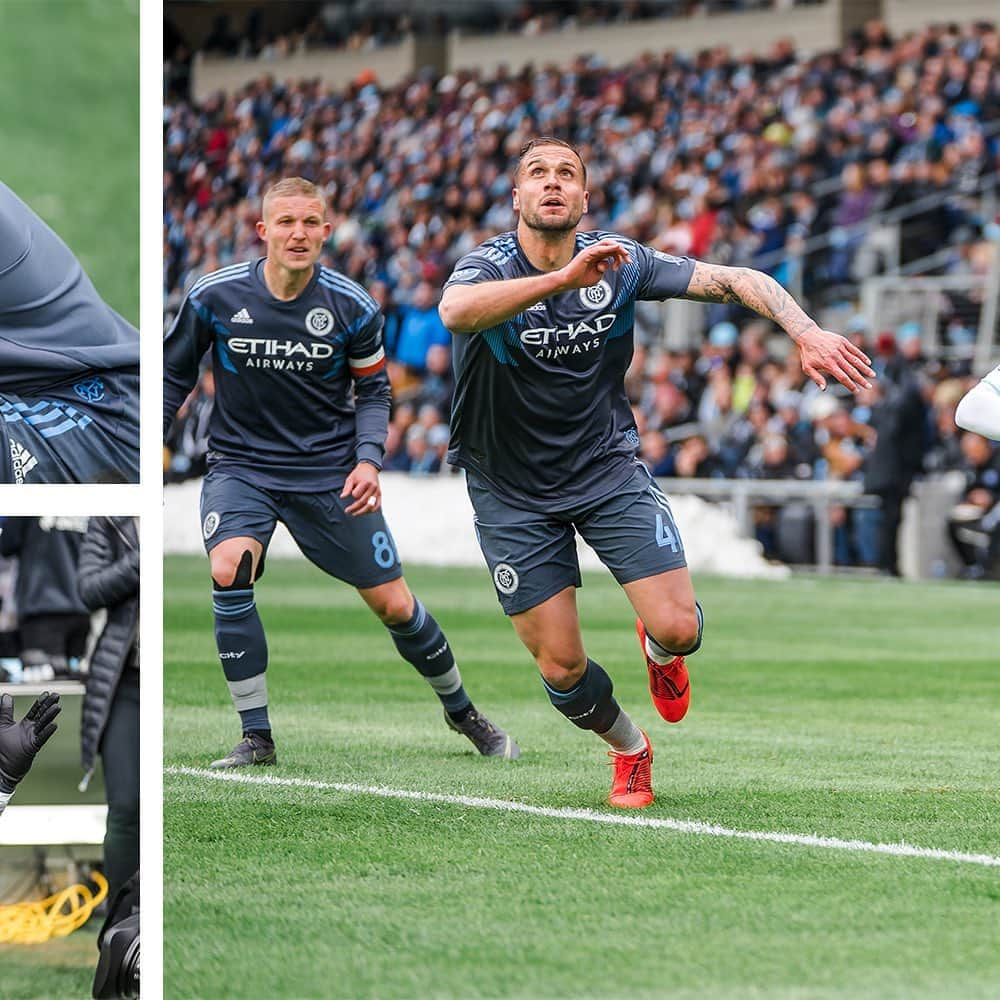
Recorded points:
(301,392)
(540,410)
(69,363)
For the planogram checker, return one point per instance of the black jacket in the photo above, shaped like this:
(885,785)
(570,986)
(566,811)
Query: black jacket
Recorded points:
(900,421)
(108,577)
(48,551)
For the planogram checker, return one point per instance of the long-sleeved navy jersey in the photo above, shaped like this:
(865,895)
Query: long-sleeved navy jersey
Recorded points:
(69,364)
(540,409)
(301,392)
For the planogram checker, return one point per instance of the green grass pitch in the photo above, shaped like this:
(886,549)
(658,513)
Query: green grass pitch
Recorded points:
(69,145)
(853,709)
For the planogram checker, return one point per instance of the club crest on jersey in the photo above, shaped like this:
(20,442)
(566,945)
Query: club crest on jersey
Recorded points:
(596,296)
(319,321)
(211,524)
(90,389)
(505,578)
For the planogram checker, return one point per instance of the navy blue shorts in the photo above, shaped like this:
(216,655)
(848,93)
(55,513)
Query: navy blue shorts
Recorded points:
(84,433)
(532,556)
(358,550)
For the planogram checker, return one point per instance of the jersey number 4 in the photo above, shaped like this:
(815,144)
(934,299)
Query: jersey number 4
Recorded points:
(665,534)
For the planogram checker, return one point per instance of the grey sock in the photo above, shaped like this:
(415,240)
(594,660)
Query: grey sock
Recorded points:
(624,736)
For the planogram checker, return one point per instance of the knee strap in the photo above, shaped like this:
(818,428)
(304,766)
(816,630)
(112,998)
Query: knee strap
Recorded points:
(244,575)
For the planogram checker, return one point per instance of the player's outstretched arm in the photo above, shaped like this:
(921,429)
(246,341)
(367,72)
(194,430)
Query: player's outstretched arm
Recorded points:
(471,308)
(821,351)
(20,741)
(979,409)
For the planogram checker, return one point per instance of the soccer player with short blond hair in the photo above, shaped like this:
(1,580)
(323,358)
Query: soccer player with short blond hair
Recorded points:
(297,434)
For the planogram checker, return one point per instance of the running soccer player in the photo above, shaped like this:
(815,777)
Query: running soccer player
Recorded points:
(297,433)
(979,409)
(543,324)
(69,364)
(21,741)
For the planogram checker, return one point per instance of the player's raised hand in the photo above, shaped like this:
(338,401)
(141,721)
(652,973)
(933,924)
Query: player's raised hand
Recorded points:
(20,741)
(363,485)
(822,351)
(587,267)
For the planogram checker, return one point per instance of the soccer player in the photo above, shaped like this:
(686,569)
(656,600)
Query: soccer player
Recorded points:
(979,409)
(297,434)
(69,364)
(20,741)
(543,324)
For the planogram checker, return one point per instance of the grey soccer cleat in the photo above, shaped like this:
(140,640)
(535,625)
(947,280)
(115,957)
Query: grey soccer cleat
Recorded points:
(488,739)
(252,749)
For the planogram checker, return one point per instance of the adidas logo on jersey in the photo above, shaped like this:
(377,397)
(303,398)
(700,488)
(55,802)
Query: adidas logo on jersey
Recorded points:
(538,306)
(241,317)
(21,460)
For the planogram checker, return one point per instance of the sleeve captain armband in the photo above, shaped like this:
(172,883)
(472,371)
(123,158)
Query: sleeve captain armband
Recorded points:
(368,365)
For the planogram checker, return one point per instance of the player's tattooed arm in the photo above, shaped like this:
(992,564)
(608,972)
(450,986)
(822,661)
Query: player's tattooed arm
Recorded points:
(821,351)
(471,308)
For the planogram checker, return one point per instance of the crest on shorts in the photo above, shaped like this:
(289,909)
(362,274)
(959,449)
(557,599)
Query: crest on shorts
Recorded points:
(319,321)
(210,524)
(505,578)
(90,389)
(596,296)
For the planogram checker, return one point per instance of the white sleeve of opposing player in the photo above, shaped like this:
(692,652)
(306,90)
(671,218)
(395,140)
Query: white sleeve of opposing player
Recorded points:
(5,797)
(979,409)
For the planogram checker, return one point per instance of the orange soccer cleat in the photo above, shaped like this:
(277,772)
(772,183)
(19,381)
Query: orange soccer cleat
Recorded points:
(668,683)
(632,783)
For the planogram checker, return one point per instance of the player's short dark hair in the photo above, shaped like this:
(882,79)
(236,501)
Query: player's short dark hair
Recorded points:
(548,140)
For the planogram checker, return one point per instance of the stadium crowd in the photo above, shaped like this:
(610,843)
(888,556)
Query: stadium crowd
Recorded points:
(734,160)
(371,24)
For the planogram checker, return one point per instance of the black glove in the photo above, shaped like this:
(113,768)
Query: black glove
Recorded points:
(20,741)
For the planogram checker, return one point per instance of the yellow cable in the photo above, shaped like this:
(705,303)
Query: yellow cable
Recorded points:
(56,916)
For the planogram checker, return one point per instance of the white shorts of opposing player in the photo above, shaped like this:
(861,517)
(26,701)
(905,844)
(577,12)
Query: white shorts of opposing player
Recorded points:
(979,408)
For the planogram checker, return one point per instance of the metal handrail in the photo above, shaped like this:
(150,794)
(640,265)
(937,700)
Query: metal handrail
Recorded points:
(902,212)
(744,494)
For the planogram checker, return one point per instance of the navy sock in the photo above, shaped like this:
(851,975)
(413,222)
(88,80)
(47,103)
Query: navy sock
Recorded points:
(590,703)
(421,642)
(239,636)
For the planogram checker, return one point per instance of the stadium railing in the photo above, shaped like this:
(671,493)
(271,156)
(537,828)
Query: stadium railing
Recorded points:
(743,495)
(924,549)
(887,221)
(971,300)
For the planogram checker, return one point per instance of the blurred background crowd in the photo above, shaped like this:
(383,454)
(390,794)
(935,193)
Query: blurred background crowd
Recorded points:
(371,24)
(790,163)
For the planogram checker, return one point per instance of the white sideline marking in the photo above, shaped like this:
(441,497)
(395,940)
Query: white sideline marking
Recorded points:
(614,819)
